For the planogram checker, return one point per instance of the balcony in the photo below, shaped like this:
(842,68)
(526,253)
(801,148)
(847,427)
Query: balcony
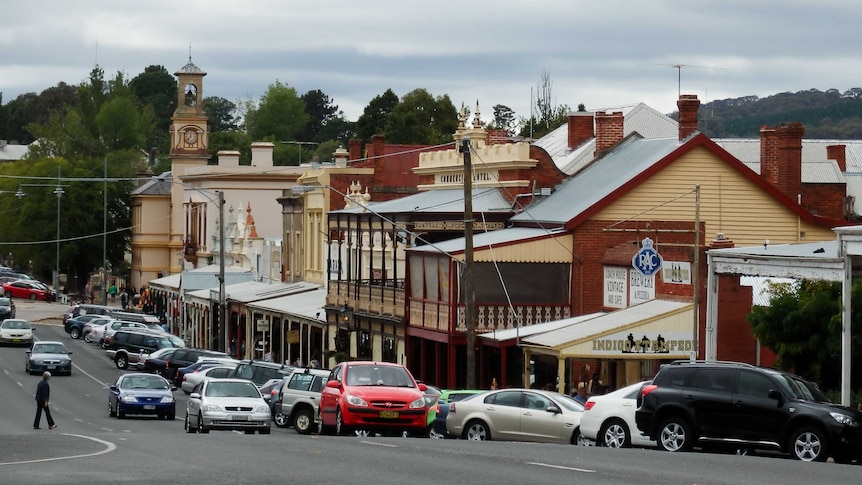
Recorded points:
(435,316)
(367,297)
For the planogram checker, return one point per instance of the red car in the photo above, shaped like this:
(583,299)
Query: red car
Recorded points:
(365,397)
(27,289)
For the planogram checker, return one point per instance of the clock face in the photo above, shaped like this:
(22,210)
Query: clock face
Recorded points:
(191,137)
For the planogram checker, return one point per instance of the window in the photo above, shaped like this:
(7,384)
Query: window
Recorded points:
(318,384)
(754,385)
(715,380)
(363,344)
(505,398)
(535,401)
(389,349)
(300,382)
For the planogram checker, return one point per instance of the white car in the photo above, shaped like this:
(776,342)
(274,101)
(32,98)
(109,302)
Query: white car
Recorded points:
(16,331)
(227,404)
(94,330)
(192,379)
(609,419)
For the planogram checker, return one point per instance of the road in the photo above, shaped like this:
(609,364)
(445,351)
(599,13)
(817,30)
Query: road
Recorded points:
(89,447)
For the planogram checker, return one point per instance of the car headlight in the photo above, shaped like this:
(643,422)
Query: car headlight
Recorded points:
(261,409)
(129,399)
(843,419)
(419,403)
(168,399)
(355,401)
(211,407)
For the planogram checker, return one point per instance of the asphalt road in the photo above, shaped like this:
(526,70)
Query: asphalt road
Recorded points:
(88,447)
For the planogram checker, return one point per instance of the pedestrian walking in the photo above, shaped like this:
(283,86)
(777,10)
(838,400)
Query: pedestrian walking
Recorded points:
(43,395)
(113,292)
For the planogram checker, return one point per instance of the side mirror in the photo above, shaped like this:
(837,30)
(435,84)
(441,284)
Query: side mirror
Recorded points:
(554,409)
(333,384)
(194,395)
(69,353)
(115,388)
(173,388)
(423,387)
(774,394)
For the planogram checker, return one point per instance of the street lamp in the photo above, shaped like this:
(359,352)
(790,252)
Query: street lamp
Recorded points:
(58,191)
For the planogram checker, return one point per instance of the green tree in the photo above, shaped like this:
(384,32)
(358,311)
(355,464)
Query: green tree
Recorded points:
(548,114)
(374,117)
(419,118)
(221,114)
(279,116)
(320,111)
(504,119)
(120,124)
(156,88)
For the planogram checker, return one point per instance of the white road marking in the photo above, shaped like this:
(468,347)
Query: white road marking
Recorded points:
(109,447)
(379,444)
(548,465)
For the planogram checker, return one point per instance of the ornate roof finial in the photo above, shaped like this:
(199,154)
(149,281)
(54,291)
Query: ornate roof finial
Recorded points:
(462,117)
(477,118)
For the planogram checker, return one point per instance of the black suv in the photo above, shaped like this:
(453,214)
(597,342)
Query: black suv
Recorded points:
(187,357)
(259,371)
(127,345)
(747,408)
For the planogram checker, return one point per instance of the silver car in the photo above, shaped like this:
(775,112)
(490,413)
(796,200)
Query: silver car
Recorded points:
(49,356)
(517,415)
(227,404)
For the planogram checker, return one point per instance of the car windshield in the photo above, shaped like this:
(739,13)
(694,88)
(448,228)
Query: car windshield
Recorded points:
(16,324)
(176,341)
(49,349)
(5,302)
(143,382)
(231,389)
(373,375)
(802,389)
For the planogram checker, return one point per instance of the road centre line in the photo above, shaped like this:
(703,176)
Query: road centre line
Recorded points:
(379,444)
(548,465)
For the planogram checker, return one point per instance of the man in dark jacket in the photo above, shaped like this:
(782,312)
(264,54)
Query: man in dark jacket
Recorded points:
(43,394)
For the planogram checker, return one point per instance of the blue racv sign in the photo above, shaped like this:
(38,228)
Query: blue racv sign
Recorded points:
(647,260)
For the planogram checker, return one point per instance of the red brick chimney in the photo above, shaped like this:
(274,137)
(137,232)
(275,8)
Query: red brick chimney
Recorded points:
(781,157)
(376,152)
(355,149)
(609,130)
(580,126)
(839,154)
(496,136)
(721,242)
(688,105)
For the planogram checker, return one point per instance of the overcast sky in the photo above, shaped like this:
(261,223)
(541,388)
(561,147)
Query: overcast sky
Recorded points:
(599,53)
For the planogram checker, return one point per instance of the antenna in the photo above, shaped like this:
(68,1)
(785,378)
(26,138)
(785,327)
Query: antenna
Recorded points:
(190,53)
(678,68)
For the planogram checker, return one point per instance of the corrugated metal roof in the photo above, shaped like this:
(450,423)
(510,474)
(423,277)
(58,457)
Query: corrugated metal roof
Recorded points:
(639,118)
(484,239)
(816,168)
(514,333)
(160,185)
(826,172)
(598,180)
(438,201)
(10,153)
(822,249)
(308,304)
(170,282)
(251,291)
(207,277)
(606,323)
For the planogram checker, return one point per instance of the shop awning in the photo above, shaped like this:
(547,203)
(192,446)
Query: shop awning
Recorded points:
(538,328)
(307,305)
(169,283)
(656,329)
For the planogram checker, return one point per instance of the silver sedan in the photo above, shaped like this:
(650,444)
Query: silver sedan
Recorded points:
(227,404)
(517,415)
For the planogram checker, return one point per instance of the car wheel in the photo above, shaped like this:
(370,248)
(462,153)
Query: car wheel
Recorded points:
(171,416)
(187,424)
(675,435)
(88,337)
(111,412)
(33,296)
(303,422)
(361,433)
(809,444)
(102,343)
(120,413)
(122,361)
(615,434)
(434,435)
(477,430)
(576,438)
(201,428)
(280,420)
(340,428)
(75,333)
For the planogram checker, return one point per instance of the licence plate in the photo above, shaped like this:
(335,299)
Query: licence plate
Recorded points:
(239,417)
(16,340)
(52,367)
(389,414)
(149,406)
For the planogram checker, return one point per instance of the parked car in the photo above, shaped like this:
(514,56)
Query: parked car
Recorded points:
(50,356)
(186,357)
(116,325)
(266,390)
(432,395)
(745,407)
(16,331)
(7,308)
(517,415)
(94,330)
(260,372)
(31,290)
(75,326)
(127,345)
(609,419)
(227,404)
(203,362)
(298,401)
(139,393)
(448,396)
(371,397)
(154,363)
(192,379)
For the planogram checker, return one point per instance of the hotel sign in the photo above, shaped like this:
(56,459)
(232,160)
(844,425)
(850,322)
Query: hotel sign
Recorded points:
(645,344)
(455,226)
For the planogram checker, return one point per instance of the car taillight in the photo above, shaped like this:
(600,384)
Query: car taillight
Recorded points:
(184,378)
(589,405)
(648,389)
(452,408)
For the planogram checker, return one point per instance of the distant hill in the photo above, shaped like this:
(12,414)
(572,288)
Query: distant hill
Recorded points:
(830,114)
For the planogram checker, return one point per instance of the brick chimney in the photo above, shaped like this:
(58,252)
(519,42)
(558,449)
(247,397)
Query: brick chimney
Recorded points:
(721,242)
(580,126)
(688,105)
(609,130)
(376,153)
(839,154)
(355,149)
(781,157)
(261,153)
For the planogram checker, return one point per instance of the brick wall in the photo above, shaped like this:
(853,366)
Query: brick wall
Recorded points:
(688,105)
(826,200)
(609,130)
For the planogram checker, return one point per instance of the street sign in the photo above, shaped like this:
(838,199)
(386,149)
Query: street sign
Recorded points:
(263,325)
(647,260)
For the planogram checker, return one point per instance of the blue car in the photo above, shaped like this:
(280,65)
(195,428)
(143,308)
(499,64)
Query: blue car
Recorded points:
(141,393)
(438,426)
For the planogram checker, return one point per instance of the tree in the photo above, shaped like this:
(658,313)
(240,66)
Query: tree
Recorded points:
(120,124)
(548,115)
(279,116)
(374,117)
(320,111)
(419,118)
(221,114)
(504,119)
(156,88)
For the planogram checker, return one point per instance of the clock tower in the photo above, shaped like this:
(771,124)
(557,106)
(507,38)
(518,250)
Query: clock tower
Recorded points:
(189,148)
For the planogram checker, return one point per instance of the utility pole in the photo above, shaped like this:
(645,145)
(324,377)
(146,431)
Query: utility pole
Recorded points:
(468,279)
(222,318)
